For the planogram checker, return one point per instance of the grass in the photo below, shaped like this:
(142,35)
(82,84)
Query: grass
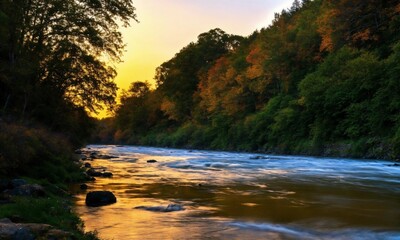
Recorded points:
(53,210)
(46,158)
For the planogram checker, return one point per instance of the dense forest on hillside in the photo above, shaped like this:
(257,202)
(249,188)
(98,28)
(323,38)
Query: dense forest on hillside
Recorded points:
(322,79)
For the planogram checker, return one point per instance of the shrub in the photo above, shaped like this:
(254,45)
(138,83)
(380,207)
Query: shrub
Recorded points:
(35,152)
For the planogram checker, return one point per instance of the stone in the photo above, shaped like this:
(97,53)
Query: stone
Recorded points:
(17,182)
(93,173)
(34,190)
(100,198)
(169,208)
(9,230)
(30,231)
(88,165)
(106,174)
(151,161)
(23,233)
(173,208)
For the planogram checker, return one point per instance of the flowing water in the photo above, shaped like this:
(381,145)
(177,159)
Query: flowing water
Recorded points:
(242,196)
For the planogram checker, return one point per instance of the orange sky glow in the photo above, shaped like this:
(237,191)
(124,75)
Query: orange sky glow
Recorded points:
(166,26)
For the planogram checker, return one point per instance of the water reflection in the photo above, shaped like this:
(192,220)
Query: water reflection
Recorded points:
(240,196)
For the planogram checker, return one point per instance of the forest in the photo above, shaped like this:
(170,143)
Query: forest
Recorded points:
(321,79)
(56,70)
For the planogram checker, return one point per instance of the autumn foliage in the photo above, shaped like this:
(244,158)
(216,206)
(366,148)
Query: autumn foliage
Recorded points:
(321,79)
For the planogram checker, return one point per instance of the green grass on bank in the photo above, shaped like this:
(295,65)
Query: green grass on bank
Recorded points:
(53,210)
(42,157)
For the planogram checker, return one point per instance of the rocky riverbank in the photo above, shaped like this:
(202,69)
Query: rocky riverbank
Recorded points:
(32,210)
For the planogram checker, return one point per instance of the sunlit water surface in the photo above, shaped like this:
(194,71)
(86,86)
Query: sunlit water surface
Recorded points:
(234,196)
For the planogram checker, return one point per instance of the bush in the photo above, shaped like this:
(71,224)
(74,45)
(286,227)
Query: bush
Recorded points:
(35,152)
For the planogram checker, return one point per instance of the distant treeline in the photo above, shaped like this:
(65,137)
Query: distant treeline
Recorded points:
(322,79)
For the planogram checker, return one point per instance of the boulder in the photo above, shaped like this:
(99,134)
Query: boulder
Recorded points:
(151,161)
(100,198)
(33,190)
(30,231)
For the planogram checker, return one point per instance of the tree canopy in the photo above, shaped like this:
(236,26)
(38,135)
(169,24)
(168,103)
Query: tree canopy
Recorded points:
(56,58)
(321,79)
(65,46)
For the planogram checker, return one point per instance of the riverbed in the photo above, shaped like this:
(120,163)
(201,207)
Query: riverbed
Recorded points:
(225,195)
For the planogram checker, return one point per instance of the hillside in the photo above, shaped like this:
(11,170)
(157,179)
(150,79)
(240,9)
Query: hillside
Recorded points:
(322,79)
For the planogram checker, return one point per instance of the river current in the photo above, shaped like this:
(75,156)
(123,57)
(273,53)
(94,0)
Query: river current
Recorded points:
(227,195)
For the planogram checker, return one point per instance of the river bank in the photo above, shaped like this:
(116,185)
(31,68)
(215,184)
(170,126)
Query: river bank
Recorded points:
(29,210)
(36,168)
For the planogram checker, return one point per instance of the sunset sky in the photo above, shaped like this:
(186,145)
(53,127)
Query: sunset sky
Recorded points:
(166,26)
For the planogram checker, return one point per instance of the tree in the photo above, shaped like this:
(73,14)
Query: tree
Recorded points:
(361,24)
(178,78)
(66,46)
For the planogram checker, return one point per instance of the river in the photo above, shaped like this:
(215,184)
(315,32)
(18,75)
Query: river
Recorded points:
(229,195)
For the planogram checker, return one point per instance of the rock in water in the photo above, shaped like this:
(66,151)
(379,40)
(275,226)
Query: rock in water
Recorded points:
(93,173)
(173,208)
(151,161)
(88,165)
(169,208)
(100,198)
(106,174)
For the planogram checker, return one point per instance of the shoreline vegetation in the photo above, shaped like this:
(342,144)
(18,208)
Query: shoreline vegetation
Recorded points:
(311,83)
(36,169)
(57,67)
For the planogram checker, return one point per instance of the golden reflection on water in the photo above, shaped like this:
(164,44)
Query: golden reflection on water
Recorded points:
(217,198)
